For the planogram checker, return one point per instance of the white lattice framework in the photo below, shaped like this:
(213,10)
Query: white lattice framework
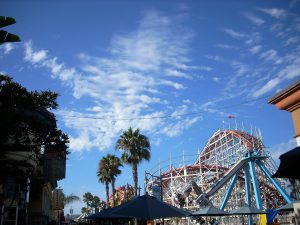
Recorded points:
(222,151)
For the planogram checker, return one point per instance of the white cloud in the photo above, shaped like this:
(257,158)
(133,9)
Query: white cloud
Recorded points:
(291,40)
(175,129)
(234,34)
(225,46)
(7,48)
(274,12)
(215,58)
(254,19)
(290,71)
(175,85)
(58,70)
(177,73)
(127,84)
(253,38)
(255,49)
(267,87)
(205,68)
(34,56)
(271,55)
(240,68)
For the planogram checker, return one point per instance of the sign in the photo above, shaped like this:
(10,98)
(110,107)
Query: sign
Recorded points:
(58,201)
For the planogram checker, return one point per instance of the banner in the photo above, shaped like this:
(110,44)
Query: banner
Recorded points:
(58,199)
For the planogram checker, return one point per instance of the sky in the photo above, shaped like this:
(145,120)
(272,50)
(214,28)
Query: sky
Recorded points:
(174,69)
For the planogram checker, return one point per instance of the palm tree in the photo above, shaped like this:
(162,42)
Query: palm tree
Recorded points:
(114,171)
(68,199)
(107,172)
(103,176)
(4,35)
(135,148)
(64,199)
(88,198)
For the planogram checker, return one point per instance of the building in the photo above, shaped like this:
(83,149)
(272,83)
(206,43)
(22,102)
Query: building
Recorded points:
(289,100)
(26,184)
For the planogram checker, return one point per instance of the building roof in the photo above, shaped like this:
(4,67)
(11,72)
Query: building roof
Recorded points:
(285,92)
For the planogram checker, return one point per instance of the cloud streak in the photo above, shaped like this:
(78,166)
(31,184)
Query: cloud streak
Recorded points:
(274,12)
(234,34)
(254,19)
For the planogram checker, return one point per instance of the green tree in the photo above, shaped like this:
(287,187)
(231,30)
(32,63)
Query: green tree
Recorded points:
(26,122)
(4,35)
(88,198)
(64,199)
(85,210)
(135,148)
(69,199)
(114,163)
(103,176)
(95,203)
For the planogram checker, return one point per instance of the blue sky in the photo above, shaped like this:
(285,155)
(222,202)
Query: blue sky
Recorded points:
(174,69)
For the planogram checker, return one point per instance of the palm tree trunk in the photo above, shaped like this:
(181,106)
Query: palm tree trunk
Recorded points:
(135,177)
(113,191)
(107,193)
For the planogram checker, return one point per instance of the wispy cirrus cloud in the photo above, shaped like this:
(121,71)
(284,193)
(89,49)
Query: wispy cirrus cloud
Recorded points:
(290,71)
(124,88)
(233,33)
(254,19)
(255,49)
(226,46)
(267,87)
(291,40)
(271,55)
(177,73)
(274,12)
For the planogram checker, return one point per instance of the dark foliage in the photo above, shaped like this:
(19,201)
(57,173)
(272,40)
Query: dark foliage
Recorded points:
(4,35)
(26,124)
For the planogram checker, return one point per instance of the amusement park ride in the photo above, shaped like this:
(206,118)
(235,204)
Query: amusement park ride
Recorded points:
(234,168)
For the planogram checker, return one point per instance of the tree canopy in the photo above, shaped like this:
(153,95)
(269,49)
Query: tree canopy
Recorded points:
(26,122)
(135,148)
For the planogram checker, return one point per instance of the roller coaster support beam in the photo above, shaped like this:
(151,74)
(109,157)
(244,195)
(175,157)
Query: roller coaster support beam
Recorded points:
(255,185)
(274,182)
(228,193)
(247,186)
(248,191)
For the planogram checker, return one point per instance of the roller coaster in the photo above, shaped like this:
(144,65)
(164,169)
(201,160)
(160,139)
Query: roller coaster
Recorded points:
(233,168)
